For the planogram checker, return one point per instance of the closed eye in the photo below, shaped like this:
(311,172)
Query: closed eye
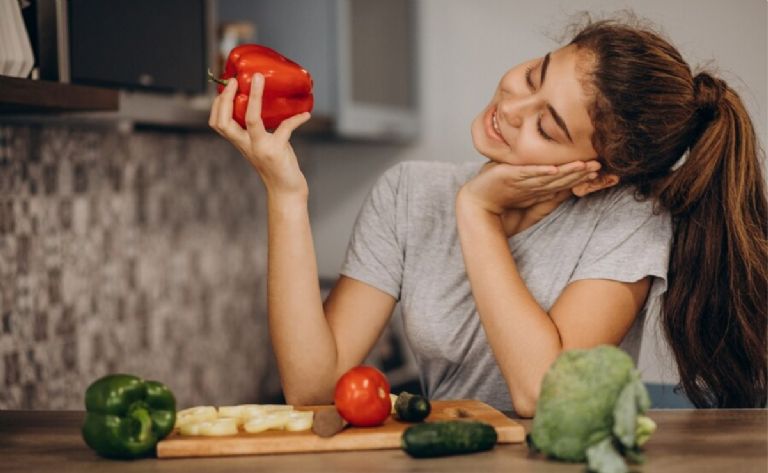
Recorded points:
(529,81)
(528,78)
(541,130)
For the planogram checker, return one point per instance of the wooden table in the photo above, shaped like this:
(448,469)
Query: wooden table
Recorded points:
(728,441)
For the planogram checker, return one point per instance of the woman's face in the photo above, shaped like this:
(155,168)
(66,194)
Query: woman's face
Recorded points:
(538,114)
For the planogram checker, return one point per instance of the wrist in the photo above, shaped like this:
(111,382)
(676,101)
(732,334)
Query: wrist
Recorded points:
(467,203)
(472,213)
(287,202)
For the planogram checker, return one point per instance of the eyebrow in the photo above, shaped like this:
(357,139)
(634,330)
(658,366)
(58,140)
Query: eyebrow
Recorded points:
(558,119)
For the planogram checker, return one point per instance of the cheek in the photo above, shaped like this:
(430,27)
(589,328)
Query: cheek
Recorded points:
(531,149)
(477,129)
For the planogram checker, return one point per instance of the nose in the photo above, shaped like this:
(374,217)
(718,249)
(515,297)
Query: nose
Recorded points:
(514,109)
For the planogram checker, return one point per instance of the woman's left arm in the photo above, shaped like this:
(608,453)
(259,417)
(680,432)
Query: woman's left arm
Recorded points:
(524,338)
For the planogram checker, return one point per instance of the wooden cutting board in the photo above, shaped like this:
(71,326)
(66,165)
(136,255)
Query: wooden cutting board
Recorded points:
(351,438)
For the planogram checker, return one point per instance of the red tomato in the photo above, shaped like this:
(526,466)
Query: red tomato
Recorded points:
(362,396)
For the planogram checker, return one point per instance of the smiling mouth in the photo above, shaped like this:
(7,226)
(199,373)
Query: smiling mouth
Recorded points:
(495,123)
(493,130)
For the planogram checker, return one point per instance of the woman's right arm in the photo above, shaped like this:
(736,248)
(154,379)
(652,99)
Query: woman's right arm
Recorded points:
(314,343)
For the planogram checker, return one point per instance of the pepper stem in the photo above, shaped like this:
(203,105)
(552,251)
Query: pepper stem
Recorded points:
(212,78)
(140,414)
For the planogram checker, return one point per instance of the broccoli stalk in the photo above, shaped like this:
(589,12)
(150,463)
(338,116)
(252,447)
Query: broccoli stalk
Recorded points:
(645,427)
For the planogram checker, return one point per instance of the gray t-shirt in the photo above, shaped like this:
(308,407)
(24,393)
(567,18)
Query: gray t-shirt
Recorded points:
(405,242)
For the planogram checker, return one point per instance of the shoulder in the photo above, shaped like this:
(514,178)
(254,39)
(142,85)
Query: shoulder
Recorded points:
(622,203)
(418,178)
(618,220)
(436,170)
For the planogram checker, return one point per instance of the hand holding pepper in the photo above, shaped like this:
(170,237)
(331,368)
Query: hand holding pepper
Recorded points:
(270,153)
(287,90)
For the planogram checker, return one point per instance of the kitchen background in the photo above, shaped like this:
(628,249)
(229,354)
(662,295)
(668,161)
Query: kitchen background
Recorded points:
(143,249)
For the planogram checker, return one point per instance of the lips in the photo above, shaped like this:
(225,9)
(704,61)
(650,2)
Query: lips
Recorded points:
(490,130)
(495,123)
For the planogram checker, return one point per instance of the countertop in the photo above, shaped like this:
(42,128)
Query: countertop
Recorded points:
(731,440)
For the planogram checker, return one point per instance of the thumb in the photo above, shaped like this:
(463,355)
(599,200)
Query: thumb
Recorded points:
(287,127)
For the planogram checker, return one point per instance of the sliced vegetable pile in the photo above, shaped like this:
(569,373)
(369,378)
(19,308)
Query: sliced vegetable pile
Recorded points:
(590,409)
(251,418)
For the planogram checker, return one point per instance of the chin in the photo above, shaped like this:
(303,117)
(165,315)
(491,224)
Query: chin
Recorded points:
(493,155)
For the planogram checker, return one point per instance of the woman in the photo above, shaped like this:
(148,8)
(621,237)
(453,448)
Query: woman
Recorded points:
(619,184)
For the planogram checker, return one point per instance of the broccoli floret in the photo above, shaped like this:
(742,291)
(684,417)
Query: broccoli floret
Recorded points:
(591,398)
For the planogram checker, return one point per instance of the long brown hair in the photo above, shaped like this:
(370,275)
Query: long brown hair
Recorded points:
(648,111)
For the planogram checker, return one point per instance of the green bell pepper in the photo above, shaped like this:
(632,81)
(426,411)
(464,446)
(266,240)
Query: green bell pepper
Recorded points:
(126,416)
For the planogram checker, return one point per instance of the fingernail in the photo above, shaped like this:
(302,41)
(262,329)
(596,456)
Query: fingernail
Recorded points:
(592,175)
(257,78)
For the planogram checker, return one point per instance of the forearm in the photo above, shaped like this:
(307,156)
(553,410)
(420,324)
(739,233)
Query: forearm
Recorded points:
(522,336)
(301,337)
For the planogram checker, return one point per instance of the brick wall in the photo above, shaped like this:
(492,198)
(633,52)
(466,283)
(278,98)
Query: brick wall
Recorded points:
(142,253)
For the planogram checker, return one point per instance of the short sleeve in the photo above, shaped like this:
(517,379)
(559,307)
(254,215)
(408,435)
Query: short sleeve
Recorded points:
(630,242)
(375,254)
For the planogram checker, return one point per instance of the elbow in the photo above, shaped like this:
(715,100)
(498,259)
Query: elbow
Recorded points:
(301,399)
(525,409)
(296,397)
(524,403)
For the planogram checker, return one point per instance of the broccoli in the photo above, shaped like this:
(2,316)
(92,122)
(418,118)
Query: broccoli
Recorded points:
(590,409)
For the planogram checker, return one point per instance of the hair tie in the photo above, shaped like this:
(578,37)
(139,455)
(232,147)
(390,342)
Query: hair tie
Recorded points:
(708,93)
(683,158)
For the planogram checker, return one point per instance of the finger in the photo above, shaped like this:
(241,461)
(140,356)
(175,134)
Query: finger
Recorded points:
(577,166)
(532,171)
(564,172)
(214,115)
(253,115)
(574,166)
(286,128)
(570,180)
(226,99)
(593,165)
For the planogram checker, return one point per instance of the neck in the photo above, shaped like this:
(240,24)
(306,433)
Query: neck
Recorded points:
(515,221)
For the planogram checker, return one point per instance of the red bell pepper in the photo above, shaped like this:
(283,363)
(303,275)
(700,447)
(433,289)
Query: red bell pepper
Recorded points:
(287,85)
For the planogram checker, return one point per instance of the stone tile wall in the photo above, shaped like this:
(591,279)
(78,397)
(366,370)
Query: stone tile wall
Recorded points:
(142,253)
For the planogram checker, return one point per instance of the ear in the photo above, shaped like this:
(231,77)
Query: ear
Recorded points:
(602,181)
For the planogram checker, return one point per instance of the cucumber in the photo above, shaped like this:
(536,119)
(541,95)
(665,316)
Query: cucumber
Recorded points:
(411,407)
(452,437)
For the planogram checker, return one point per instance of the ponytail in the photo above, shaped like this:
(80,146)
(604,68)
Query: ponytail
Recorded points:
(647,111)
(715,311)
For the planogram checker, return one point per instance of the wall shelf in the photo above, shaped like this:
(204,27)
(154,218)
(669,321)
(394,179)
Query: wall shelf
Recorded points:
(38,96)
(25,101)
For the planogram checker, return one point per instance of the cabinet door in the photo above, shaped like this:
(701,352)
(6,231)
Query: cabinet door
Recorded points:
(143,44)
(377,49)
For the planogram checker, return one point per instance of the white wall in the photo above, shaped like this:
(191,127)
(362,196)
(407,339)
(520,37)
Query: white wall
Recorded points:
(464,48)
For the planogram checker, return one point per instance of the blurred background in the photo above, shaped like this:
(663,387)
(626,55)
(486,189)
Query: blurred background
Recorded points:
(133,239)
